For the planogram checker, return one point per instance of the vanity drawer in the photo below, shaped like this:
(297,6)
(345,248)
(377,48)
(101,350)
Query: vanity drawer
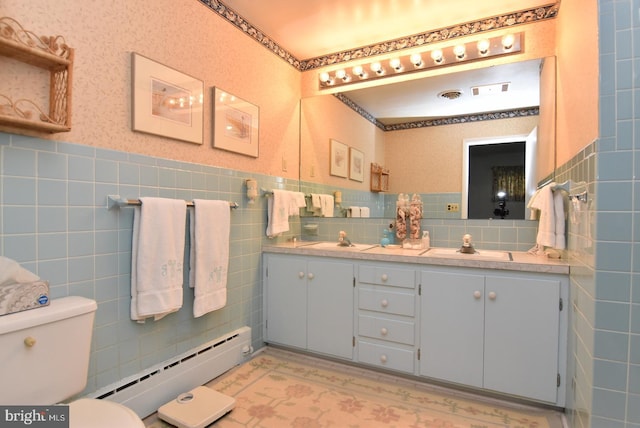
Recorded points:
(385,356)
(386,329)
(386,301)
(384,275)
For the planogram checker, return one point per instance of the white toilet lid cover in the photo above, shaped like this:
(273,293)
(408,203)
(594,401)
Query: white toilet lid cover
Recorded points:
(92,413)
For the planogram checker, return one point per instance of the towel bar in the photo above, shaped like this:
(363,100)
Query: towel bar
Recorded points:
(115,201)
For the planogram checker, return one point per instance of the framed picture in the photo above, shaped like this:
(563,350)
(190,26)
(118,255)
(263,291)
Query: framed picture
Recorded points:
(339,159)
(235,124)
(165,101)
(356,164)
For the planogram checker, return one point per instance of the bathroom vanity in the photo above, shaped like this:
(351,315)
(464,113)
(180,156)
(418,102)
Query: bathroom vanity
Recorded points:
(489,323)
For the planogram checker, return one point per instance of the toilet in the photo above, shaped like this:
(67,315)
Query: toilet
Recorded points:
(45,354)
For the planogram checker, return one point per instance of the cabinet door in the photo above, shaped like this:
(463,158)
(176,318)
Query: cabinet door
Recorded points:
(330,308)
(521,336)
(286,301)
(452,327)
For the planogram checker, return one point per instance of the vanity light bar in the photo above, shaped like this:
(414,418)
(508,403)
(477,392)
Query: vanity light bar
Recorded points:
(450,55)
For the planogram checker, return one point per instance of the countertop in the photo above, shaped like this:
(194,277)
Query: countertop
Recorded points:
(520,261)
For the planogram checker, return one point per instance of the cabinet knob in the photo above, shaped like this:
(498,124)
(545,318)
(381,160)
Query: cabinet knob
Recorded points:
(384,277)
(383,358)
(492,295)
(29,341)
(310,275)
(383,331)
(477,294)
(300,275)
(384,303)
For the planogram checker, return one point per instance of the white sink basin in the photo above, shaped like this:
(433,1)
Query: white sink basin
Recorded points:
(335,246)
(478,255)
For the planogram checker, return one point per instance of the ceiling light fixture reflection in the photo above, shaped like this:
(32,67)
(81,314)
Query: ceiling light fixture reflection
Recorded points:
(442,56)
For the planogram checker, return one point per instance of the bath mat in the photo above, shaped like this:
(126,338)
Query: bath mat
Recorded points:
(280,389)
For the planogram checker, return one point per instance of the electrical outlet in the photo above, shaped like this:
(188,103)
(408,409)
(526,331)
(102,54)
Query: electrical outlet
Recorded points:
(284,165)
(312,172)
(453,208)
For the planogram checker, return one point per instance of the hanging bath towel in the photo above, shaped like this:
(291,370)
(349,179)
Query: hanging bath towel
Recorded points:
(157,255)
(209,254)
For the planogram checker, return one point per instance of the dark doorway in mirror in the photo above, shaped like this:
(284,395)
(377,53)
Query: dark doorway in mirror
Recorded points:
(496,181)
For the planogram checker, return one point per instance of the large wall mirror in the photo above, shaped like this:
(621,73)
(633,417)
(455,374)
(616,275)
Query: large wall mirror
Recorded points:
(422,131)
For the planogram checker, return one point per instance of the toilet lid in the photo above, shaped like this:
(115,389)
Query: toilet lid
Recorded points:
(92,413)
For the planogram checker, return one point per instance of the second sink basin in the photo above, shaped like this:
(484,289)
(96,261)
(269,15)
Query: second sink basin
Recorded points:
(478,255)
(334,246)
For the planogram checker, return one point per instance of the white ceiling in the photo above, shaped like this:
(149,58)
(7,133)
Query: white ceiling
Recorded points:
(314,28)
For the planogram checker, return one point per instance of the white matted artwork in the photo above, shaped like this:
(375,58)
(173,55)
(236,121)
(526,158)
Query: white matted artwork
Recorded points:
(165,101)
(339,159)
(236,124)
(356,164)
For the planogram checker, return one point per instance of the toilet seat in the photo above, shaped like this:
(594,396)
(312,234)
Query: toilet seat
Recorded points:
(94,413)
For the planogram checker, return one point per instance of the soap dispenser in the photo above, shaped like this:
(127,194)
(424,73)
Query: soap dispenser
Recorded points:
(426,240)
(385,238)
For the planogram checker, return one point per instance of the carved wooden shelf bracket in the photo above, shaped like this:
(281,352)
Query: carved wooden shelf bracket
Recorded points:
(49,53)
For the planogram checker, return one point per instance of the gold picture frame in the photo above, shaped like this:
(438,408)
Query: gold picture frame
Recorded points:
(339,159)
(236,124)
(356,165)
(165,101)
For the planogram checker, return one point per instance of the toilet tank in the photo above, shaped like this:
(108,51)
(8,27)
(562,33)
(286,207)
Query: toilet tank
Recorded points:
(44,352)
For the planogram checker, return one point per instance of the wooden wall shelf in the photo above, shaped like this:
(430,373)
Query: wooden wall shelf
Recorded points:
(49,53)
(379,178)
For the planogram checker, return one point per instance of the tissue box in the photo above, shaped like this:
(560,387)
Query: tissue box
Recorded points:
(19,297)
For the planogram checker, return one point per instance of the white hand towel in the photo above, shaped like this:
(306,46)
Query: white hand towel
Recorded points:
(157,256)
(355,211)
(365,212)
(559,217)
(280,206)
(209,254)
(326,205)
(316,203)
(547,223)
(278,213)
(296,201)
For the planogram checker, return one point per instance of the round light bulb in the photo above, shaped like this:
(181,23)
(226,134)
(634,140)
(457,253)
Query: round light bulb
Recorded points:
(324,77)
(359,71)
(396,64)
(507,41)
(376,67)
(416,60)
(458,51)
(436,55)
(341,74)
(483,46)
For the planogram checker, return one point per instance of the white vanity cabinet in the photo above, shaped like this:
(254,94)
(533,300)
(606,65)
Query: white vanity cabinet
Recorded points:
(386,321)
(309,303)
(501,331)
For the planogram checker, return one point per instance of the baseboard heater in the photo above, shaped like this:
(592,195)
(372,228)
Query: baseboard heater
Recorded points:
(146,391)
